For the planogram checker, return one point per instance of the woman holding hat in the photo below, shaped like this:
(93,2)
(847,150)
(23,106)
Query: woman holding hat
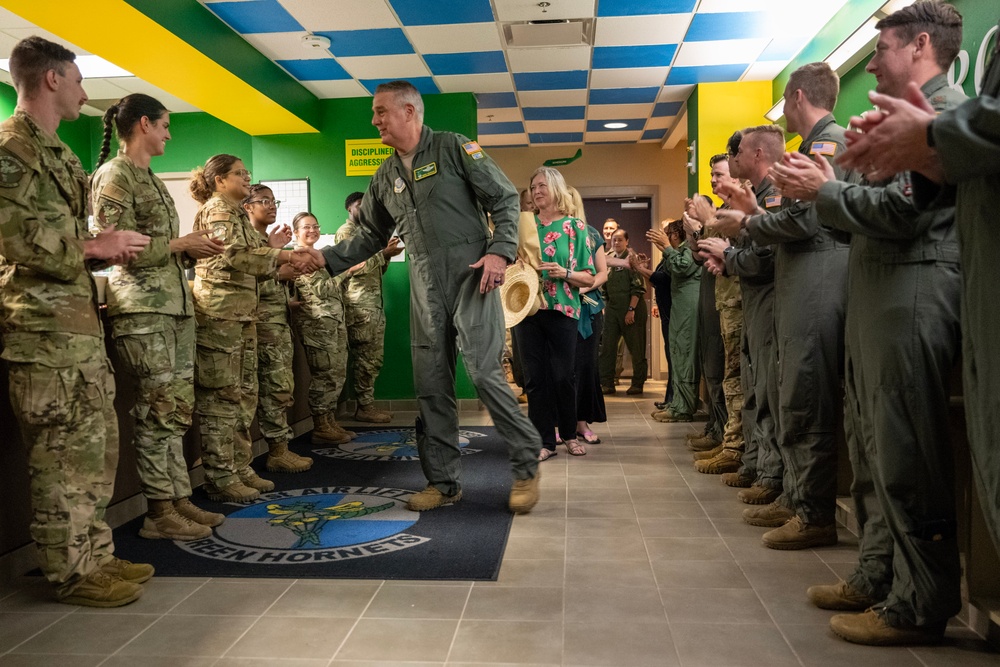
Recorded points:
(547,339)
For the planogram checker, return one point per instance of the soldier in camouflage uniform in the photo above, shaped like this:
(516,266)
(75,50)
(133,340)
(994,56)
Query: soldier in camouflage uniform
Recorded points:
(323,331)
(275,351)
(365,316)
(226,296)
(152,313)
(61,385)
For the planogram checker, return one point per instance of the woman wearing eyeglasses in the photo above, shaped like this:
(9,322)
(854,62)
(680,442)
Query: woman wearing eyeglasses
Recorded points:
(226,297)
(275,351)
(152,312)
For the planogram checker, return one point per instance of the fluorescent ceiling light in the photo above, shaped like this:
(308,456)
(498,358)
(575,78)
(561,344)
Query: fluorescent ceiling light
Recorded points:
(615,126)
(858,43)
(776,112)
(91,67)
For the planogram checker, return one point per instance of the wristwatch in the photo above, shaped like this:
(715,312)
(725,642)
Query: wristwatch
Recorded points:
(631,308)
(930,134)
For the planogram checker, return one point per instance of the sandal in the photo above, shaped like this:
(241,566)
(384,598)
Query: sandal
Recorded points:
(576,448)
(546,454)
(589,437)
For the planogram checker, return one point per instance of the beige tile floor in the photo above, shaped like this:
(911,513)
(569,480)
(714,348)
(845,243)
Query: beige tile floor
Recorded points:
(631,558)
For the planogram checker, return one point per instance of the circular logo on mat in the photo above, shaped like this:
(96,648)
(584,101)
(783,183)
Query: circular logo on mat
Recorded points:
(397,444)
(312,526)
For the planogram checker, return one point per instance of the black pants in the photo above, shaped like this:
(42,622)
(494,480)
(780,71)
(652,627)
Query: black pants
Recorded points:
(546,342)
(589,399)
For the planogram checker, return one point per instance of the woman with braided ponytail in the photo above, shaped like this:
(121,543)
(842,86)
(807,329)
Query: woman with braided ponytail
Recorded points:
(152,312)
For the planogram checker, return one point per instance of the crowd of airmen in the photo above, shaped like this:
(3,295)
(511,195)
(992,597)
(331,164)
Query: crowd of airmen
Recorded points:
(222,350)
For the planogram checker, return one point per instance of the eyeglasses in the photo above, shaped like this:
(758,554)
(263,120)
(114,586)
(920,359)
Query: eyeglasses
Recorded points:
(313,228)
(267,202)
(242,173)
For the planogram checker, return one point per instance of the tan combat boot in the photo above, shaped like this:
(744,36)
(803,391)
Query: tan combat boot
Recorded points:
(524,494)
(237,492)
(728,460)
(768,516)
(100,589)
(430,498)
(251,479)
(702,442)
(872,628)
(369,413)
(737,479)
(282,459)
(840,596)
(797,534)
(162,522)
(326,431)
(708,453)
(134,573)
(758,495)
(188,509)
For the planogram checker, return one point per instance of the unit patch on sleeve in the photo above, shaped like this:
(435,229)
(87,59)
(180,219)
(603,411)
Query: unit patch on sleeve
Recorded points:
(11,171)
(823,148)
(473,149)
(425,171)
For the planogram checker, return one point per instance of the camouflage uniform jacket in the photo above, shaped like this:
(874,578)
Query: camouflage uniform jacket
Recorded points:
(273,305)
(45,285)
(363,288)
(320,295)
(130,197)
(226,286)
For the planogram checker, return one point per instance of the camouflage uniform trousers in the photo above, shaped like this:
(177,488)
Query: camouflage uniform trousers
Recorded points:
(225,396)
(325,343)
(366,336)
(731,326)
(275,379)
(159,351)
(68,422)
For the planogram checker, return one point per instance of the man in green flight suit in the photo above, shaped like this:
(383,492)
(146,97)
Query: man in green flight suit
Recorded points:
(436,189)
(625,317)
(62,388)
(902,342)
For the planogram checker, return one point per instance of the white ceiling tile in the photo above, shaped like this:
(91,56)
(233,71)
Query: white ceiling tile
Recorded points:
(499,82)
(675,93)
(173,103)
(626,135)
(764,71)
(21,33)
(326,90)
(722,52)
(462,38)
(9,19)
(88,110)
(528,10)
(317,15)
(517,139)
(385,67)
(632,30)
(548,98)
(532,126)
(7,43)
(618,111)
(636,77)
(504,115)
(549,59)
(103,89)
(284,46)
(717,6)
(660,122)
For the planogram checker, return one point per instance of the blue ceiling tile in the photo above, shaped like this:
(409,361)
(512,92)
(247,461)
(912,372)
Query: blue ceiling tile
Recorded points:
(509,127)
(682,76)
(574,79)
(667,109)
(496,100)
(479,62)
(378,42)
(654,134)
(643,7)
(256,16)
(623,95)
(438,12)
(730,25)
(632,123)
(424,84)
(324,69)
(658,55)
(556,137)
(554,113)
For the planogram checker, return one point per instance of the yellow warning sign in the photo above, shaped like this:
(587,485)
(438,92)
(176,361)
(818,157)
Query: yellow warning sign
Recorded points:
(365,155)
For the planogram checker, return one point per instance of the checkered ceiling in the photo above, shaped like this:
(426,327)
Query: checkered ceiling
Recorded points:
(544,72)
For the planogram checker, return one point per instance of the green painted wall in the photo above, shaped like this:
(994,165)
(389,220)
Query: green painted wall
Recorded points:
(692,112)
(195,137)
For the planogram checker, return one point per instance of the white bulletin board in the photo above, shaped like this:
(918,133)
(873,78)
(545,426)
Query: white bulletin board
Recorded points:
(293,195)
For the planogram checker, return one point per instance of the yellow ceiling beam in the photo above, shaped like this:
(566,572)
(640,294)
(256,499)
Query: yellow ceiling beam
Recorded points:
(121,34)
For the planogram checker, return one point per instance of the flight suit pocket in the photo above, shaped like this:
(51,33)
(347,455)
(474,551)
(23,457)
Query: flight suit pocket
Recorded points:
(797,384)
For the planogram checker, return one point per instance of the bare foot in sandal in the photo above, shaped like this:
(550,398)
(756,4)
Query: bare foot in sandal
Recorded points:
(575,447)
(546,454)
(589,437)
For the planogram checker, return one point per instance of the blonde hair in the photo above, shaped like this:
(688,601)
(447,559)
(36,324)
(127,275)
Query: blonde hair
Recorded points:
(577,204)
(561,197)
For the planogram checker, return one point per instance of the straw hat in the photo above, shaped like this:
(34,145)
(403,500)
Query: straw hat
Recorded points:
(519,293)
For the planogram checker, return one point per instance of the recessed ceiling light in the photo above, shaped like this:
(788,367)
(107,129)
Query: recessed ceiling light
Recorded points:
(615,126)
(91,67)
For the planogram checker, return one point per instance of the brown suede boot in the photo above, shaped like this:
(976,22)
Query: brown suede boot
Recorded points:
(100,589)
(728,460)
(840,596)
(327,432)
(188,509)
(797,534)
(708,453)
(254,481)
(872,628)
(758,495)
(238,492)
(737,479)
(282,459)
(162,522)
(369,413)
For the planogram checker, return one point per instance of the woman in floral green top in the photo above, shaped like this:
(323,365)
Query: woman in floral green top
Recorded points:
(547,339)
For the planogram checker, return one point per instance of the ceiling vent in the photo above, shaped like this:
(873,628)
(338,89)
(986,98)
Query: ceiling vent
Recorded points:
(570,32)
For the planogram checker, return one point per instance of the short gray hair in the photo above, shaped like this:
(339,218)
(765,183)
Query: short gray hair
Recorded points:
(405,93)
